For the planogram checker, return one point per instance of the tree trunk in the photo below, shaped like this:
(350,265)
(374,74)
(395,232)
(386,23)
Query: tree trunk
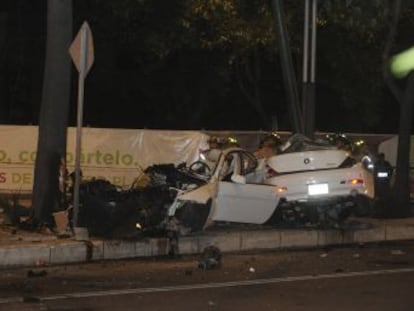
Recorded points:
(399,203)
(3,47)
(54,109)
(401,189)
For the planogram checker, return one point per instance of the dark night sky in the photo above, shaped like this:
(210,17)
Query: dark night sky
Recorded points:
(120,92)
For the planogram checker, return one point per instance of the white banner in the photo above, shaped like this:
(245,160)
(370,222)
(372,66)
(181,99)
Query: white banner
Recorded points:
(117,155)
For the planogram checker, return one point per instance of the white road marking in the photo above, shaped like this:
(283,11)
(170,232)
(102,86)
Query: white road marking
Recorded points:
(210,285)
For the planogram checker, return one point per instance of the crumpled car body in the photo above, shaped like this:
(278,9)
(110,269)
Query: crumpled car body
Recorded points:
(226,196)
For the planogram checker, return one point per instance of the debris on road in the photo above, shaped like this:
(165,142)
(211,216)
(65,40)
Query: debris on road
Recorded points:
(210,258)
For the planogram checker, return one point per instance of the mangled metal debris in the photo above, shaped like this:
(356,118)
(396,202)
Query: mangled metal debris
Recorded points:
(210,258)
(107,210)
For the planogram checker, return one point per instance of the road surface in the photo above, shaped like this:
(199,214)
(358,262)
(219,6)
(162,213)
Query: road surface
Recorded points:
(369,277)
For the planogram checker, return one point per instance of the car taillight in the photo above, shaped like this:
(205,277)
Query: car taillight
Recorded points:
(281,189)
(270,172)
(356,181)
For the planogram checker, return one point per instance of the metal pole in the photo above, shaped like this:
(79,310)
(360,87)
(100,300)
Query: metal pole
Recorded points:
(313,41)
(310,126)
(305,43)
(82,71)
(305,74)
(287,67)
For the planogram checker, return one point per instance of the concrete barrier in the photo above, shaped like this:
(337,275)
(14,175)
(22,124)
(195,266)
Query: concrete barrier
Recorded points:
(18,251)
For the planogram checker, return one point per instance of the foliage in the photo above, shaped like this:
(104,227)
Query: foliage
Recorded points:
(230,25)
(362,18)
(237,38)
(154,24)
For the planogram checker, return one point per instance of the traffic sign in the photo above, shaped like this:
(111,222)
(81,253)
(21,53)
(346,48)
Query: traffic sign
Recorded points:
(81,50)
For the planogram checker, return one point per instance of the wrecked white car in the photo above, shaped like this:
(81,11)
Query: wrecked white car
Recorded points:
(309,183)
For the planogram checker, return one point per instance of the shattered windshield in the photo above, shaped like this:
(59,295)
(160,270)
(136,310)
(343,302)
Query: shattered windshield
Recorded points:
(299,142)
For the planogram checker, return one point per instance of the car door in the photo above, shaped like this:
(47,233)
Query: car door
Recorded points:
(243,202)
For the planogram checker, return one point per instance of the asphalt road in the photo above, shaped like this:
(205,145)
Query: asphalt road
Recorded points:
(369,277)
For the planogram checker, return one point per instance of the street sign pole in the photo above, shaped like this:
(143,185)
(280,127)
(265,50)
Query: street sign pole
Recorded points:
(81,84)
(81,51)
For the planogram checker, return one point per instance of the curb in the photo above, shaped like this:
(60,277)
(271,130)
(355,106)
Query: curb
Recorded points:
(54,252)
